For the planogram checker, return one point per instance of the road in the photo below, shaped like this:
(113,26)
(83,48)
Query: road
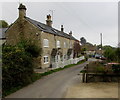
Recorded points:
(52,86)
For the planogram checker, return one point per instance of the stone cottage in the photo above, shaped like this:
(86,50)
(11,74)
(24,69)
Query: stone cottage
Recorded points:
(56,45)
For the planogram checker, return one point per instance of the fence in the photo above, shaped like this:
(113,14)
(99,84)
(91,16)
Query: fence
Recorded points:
(67,62)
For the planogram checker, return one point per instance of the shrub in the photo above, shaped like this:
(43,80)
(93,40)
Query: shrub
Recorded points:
(116,68)
(17,67)
(30,47)
(100,69)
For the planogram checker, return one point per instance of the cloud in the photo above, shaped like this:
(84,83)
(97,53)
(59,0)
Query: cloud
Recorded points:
(85,19)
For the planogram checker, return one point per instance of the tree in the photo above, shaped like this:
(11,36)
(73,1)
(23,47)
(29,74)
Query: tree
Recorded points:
(110,54)
(107,46)
(77,49)
(83,40)
(3,24)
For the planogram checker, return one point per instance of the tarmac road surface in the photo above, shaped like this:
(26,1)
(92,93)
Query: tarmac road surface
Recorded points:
(52,86)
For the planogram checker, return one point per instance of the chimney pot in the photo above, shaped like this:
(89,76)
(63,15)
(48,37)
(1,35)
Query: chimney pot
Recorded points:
(49,21)
(70,33)
(62,29)
(22,11)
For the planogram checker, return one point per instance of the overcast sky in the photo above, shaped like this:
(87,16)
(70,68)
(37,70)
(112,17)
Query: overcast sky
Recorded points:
(84,19)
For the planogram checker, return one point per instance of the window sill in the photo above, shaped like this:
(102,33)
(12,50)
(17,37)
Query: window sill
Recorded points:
(46,46)
(58,47)
(46,62)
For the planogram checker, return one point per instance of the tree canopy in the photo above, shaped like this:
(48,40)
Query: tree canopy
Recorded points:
(83,40)
(77,49)
(112,54)
(3,24)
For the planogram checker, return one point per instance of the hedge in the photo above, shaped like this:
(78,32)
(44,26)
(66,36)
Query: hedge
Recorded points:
(17,65)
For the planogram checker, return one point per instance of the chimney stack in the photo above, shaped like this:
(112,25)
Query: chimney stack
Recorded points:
(70,33)
(22,11)
(49,21)
(62,29)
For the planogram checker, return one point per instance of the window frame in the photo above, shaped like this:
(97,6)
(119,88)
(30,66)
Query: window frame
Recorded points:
(44,44)
(65,45)
(46,61)
(70,45)
(58,44)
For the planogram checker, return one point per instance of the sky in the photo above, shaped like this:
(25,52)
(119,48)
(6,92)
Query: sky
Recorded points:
(85,19)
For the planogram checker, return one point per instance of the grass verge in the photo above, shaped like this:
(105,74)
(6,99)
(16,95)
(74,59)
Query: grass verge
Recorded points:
(37,76)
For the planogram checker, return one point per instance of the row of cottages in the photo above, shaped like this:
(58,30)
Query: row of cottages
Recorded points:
(57,46)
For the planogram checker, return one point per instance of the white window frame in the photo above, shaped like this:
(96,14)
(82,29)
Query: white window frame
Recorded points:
(65,45)
(45,43)
(45,60)
(58,44)
(70,44)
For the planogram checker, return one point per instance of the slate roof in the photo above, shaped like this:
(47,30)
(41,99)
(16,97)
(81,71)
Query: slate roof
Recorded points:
(48,29)
(2,33)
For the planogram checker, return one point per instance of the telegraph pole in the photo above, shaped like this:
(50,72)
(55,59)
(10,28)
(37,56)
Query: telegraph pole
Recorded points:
(101,42)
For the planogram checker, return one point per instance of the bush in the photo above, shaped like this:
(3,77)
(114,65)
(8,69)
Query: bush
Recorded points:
(17,68)
(116,68)
(100,69)
(112,54)
(30,48)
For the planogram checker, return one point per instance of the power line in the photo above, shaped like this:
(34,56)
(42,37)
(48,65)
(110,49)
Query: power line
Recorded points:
(76,16)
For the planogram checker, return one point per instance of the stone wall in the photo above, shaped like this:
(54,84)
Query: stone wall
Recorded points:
(52,44)
(23,29)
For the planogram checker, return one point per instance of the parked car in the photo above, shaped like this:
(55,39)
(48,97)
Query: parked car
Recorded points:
(97,56)
(102,58)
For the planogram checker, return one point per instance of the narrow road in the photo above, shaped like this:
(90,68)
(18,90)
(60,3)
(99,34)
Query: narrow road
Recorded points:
(52,86)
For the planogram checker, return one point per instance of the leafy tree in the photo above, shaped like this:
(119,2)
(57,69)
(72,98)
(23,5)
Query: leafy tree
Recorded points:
(83,50)
(107,46)
(77,49)
(3,24)
(110,54)
(83,40)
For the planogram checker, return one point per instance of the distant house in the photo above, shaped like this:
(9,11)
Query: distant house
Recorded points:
(56,45)
(2,35)
(89,49)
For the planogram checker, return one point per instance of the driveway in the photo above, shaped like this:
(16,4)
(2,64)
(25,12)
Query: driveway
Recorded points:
(52,86)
